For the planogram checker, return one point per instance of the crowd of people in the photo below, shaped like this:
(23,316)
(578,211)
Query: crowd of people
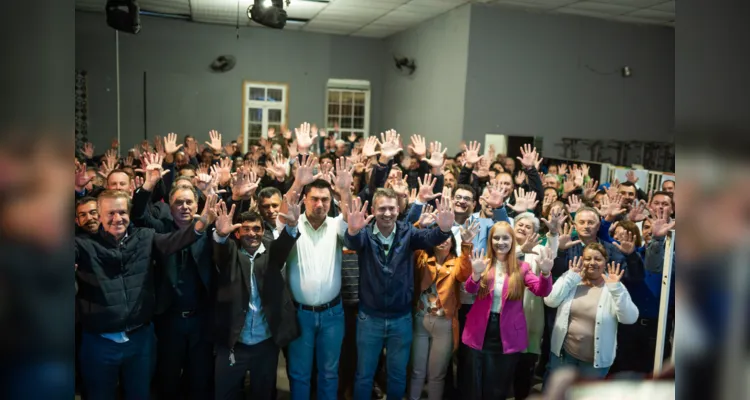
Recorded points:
(474,275)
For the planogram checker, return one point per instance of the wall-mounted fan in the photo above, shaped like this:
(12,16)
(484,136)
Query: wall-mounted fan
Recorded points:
(223,64)
(404,64)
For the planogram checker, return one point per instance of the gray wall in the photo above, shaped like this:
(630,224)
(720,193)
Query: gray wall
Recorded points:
(430,102)
(183,96)
(527,77)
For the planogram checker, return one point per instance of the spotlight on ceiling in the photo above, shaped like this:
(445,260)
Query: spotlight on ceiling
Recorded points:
(268,13)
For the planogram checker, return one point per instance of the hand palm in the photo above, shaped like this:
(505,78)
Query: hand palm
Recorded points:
(390,148)
(478,265)
(436,159)
(471,156)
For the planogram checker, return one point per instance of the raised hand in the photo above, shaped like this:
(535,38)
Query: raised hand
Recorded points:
(568,186)
(204,182)
(532,240)
(352,137)
(520,178)
(548,200)
(445,216)
(343,180)
(627,244)
(427,218)
(638,212)
(223,170)
(576,265)
(578,178)
(215,143)
(357,217)
(471,155)
(304,137)
(153,169)
(159,146)
(556,219)
(630,176)
(192,148)
(611,207)
(562,169)
(574,204)
(278,168)
(287,132)
(304,174)
(208,215)
(528,156)
(660,224)
(495,196)
(412,196)
(524,201)
(479,261)
(585,169)
(370,146)
(170,143)
(614,273)
(538,162)
(482,168)
(224,224)
(271,132)
(437,155)
(566,241)
(81,179)
(426,188)
(391,144)
(589,188)
(290,209)
(88,150)
(468,232)
(244,184)
(418,146)
(545,260)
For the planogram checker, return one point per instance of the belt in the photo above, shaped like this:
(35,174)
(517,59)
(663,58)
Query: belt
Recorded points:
(336,300)
(186,314)
(131,331)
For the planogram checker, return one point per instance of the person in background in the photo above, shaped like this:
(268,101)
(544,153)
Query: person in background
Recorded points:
(590,303)
(495,328)
(255,316)
(437,279)
(386,290)
(668,186)
(87,215)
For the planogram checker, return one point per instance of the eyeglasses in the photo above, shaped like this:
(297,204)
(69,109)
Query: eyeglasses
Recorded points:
(458,197)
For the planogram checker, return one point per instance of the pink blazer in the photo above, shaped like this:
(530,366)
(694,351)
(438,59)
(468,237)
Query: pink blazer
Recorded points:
(512,319)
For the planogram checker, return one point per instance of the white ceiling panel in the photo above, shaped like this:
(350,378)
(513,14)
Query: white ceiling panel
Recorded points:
(382,18)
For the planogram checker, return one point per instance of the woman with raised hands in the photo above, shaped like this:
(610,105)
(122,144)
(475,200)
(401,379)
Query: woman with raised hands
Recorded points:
(495,328)
(590,303)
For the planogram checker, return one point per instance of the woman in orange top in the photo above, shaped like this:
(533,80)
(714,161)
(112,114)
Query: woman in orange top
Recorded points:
(437,277)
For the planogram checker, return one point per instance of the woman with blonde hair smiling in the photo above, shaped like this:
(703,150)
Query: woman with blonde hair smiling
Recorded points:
(590,303)
(495,329)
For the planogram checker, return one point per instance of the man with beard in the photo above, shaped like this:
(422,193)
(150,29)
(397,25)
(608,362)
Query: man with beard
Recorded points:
(184,296)
(87,216)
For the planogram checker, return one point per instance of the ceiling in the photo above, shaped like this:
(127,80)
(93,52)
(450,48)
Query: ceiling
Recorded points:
(382,18)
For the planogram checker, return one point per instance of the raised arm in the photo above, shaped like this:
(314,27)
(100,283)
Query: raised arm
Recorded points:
(171,243)
(357,219)
(624,308)
(468,232)
(428,238)
(567,282)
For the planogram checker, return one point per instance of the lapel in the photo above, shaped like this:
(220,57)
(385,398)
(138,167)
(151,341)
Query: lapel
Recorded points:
(197,250)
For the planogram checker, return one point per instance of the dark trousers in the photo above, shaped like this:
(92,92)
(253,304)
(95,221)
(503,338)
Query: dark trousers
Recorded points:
(549,322)
(185,358)
(348,360)
(489,372)
(636,346)
(461,353)
(104,362)
(260,359)
(524,376)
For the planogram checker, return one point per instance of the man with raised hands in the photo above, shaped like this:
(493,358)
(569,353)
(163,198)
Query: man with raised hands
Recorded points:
(313,272)
(255,316)
(116,302)
(386,267)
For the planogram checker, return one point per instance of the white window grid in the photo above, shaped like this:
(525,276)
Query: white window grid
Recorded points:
(348,105)
(264,105)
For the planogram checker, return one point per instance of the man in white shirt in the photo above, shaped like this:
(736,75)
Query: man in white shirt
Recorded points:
(314,277)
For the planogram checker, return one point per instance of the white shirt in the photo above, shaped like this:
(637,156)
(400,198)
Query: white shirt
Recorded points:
(386,241)
(497,295)
(314,264)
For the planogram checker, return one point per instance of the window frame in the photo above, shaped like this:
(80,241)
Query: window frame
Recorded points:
(265,105)
(350,86)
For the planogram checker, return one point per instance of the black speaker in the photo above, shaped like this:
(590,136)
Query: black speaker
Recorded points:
(124,15)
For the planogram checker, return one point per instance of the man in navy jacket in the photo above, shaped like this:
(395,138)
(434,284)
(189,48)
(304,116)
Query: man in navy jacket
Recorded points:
(386,285)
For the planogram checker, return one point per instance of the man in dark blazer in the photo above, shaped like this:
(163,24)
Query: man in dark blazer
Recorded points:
(255,315)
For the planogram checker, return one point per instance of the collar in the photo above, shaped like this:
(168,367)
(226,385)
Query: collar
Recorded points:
(303,219)
(261,249)
(376,231)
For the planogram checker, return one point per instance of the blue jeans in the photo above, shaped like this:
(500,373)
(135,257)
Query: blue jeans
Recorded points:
(585,370)
(104,362)
(372,334)
(321,334)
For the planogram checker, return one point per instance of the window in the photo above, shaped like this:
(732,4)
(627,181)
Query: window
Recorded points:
(348,105)
(264,105)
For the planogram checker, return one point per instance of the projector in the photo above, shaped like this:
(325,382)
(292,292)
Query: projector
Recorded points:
(268,13)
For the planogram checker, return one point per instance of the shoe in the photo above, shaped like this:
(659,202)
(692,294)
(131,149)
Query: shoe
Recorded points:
(377,392)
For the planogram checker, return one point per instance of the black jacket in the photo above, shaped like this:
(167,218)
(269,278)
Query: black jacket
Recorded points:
(167,278)
(116,280)
(233,292)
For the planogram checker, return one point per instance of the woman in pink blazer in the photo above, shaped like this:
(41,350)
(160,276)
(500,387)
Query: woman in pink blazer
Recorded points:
(495,329)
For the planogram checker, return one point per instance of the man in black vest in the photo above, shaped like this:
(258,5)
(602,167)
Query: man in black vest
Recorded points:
(115,296)
(255,315)
(184,298)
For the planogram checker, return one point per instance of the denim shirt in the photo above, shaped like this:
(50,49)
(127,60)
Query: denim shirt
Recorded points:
(256,327)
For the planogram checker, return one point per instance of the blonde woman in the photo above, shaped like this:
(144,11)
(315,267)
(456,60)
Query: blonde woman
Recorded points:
(590,303)
(495,329)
